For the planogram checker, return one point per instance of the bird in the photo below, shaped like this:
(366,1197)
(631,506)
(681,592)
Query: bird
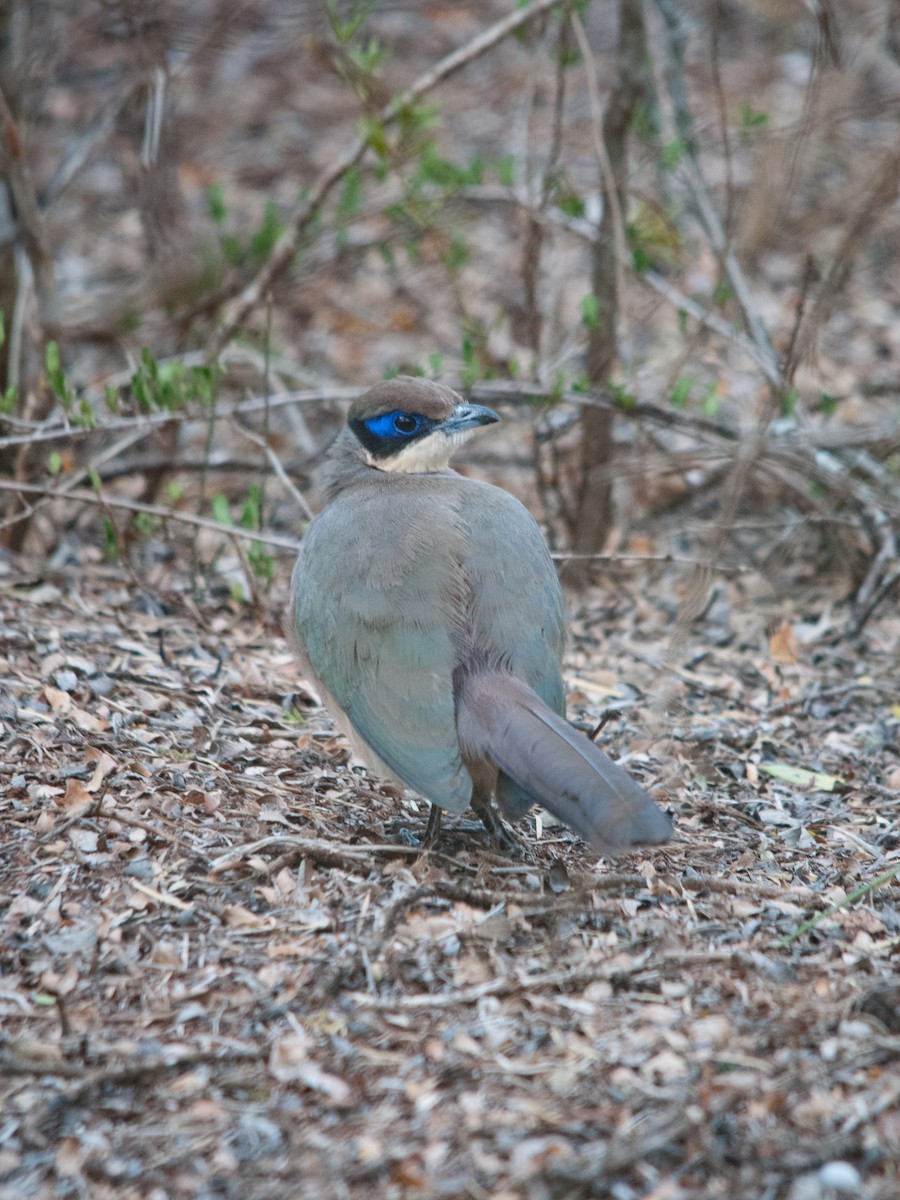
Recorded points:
(427,615)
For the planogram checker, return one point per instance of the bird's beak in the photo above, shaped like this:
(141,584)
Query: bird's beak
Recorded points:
(469,416)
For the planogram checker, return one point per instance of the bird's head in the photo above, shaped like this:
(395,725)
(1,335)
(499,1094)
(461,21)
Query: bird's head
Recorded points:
(413,425)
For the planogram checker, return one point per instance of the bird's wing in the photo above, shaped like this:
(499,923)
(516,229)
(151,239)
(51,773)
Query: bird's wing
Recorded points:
(518,608)
(517,601)
(366,616)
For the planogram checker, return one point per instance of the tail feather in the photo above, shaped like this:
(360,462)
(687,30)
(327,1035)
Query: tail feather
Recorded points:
(501,719)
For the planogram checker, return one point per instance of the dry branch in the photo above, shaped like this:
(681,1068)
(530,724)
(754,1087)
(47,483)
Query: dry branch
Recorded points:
(104,500)
(306,212)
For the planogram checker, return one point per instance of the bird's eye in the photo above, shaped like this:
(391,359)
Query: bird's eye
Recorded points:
(406,423)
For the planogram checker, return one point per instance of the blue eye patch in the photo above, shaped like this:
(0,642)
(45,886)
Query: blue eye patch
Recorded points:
(396,425)
(389,432)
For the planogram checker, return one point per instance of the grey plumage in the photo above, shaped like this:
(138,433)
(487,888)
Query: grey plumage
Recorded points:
(427,613)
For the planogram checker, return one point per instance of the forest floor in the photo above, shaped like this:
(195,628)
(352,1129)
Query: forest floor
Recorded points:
(226,972)
(225,968)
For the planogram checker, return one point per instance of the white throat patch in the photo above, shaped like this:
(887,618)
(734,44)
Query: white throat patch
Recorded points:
(428,454)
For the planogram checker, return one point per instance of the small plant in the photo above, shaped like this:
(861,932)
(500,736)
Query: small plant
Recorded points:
(170,386)
(751,121)
(243,251)
(76,408)
(258,556)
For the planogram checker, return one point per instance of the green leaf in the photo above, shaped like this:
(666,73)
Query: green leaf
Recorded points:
(368,58)
(263,241)
(54,462)
(571,204)
(86,416)
(623,398)
(789,398)
(56,376)
(681,392)
(375,136)
(345,28)
(752,118)
(110,540)
(709,405)
(801,777)
(262,561)
(722,293)
(144,523)
(457,253)
(590,311)
(351,198)
(215,201)
(251,509)
(232,249)
(506,171)
(220,509)
(827,404)
(672,154)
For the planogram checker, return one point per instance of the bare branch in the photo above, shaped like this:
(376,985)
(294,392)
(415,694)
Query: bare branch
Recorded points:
(104,500)
(307,210)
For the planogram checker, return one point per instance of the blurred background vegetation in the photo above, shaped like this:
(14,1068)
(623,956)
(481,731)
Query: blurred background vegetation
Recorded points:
(663,237)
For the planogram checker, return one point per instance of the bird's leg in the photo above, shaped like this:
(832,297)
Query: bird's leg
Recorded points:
(500,835)
(433,828)
(432,831)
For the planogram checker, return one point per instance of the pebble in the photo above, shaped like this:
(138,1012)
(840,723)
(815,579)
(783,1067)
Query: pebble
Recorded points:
(842,1176)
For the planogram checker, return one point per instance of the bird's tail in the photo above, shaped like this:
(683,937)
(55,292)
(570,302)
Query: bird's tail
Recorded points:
(501,719)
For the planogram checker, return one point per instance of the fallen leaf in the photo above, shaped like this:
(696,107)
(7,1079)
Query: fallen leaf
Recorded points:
(77,798)
(801,777)
(783,644)
(104,765)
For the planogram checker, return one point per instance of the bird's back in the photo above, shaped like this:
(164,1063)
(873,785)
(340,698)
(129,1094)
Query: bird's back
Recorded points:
(403,579)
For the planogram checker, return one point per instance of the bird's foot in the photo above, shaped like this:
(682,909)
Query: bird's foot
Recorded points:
(504,841)
(431,836)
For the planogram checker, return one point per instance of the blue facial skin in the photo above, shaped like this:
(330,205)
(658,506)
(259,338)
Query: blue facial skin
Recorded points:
(396,425)
(389,432)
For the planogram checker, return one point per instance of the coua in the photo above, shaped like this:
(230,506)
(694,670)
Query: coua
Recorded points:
(427,614)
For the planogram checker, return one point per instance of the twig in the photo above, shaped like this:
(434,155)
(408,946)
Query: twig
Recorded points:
(324,853)
(532,242)
(611,194)
(72,481)
(103,500)
(132,1073)
(857,894)
(306,212)
(79,150)
(63,431)
(882,192)
(25,279)
(863,605)
(28,217)
(277,467)
(533,393)
(711,320)
(565,556)
(690,173)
